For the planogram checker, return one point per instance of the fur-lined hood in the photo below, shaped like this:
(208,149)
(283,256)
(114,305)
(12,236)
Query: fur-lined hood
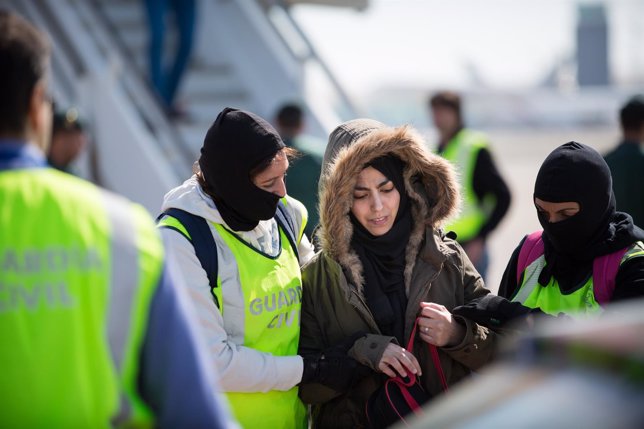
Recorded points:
(430,182)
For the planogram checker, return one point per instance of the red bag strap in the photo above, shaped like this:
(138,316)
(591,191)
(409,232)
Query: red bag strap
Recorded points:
(434,354)
(408,397)
(437,364)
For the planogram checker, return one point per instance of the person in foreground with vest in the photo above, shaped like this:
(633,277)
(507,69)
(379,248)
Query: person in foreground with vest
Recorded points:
(385,262)
(588,254)
(94,331)
(248,298)
(486,197)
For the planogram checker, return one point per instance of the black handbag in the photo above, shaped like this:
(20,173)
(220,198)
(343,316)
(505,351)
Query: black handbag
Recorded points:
(399,397)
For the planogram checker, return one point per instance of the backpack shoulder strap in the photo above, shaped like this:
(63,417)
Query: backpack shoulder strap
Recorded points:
(286,222)
(605,270)
(531,249)
(201,238)
(604,267)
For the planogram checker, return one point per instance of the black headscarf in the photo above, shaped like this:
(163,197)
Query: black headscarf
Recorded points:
(237,142)
(576,172)
(383,257)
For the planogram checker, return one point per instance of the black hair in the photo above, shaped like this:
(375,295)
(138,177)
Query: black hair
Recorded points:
(631,115)
(290,153)
(447,99)
(24,58)
(289,116)
(67,120)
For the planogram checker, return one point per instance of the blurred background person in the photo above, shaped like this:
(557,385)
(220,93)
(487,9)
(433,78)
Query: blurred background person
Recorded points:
(304,171)
(486,196)
(626,161)
(94,331)
(68,140)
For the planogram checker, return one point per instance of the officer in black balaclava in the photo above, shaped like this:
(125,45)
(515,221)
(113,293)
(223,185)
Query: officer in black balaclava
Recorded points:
(577,173)
(236,143)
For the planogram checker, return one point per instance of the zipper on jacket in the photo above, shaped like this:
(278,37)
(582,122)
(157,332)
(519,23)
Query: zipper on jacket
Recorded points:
(430,282)
(365,311)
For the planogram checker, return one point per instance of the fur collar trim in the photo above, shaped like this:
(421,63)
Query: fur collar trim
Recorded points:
(430,182)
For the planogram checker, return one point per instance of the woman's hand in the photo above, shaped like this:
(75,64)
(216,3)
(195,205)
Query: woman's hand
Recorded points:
(438,327)
(396,360)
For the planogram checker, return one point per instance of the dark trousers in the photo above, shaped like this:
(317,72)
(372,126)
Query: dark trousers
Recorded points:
(166,75)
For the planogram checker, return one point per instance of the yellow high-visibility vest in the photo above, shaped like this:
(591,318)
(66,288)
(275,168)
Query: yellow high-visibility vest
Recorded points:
(78,269)
(462,151)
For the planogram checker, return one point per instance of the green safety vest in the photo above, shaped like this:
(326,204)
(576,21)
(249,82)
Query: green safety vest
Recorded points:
(462,151)
(78,269)
(272,290)
(551,300)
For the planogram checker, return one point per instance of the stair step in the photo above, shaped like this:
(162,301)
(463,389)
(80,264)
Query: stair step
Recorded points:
(121,13)
(200,64)
(193,135)
(208,85)
(206,111)
(203,85)
(135,39)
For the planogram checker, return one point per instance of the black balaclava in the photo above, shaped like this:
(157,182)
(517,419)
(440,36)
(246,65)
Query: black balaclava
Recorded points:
(576,172)
(237,142)
(383,257)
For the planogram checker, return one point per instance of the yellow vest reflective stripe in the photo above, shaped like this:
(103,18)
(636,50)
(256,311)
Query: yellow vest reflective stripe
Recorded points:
(78,268)
(303,218)
(173,223)
(636,251)
(550,299)
(272,293)
(136,269)
(462,151)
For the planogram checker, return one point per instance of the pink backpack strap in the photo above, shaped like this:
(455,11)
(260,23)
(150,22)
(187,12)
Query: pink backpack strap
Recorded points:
(530,251)
(604,273)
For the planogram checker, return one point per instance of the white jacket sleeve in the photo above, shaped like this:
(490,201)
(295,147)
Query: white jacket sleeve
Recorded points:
(305,249)
(240,369)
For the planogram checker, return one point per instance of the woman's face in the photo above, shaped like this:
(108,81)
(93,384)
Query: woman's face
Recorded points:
(375,201)
(271,179)
(556,212)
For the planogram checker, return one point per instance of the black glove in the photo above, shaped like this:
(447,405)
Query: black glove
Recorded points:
(333,367)
(492,311)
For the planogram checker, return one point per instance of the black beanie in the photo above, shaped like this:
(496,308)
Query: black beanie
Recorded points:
(236,143)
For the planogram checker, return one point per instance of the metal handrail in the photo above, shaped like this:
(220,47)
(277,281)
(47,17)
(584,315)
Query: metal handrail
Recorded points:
(351,107)
(143,96)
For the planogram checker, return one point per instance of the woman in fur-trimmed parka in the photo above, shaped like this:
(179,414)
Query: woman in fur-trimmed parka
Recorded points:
(384,261)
